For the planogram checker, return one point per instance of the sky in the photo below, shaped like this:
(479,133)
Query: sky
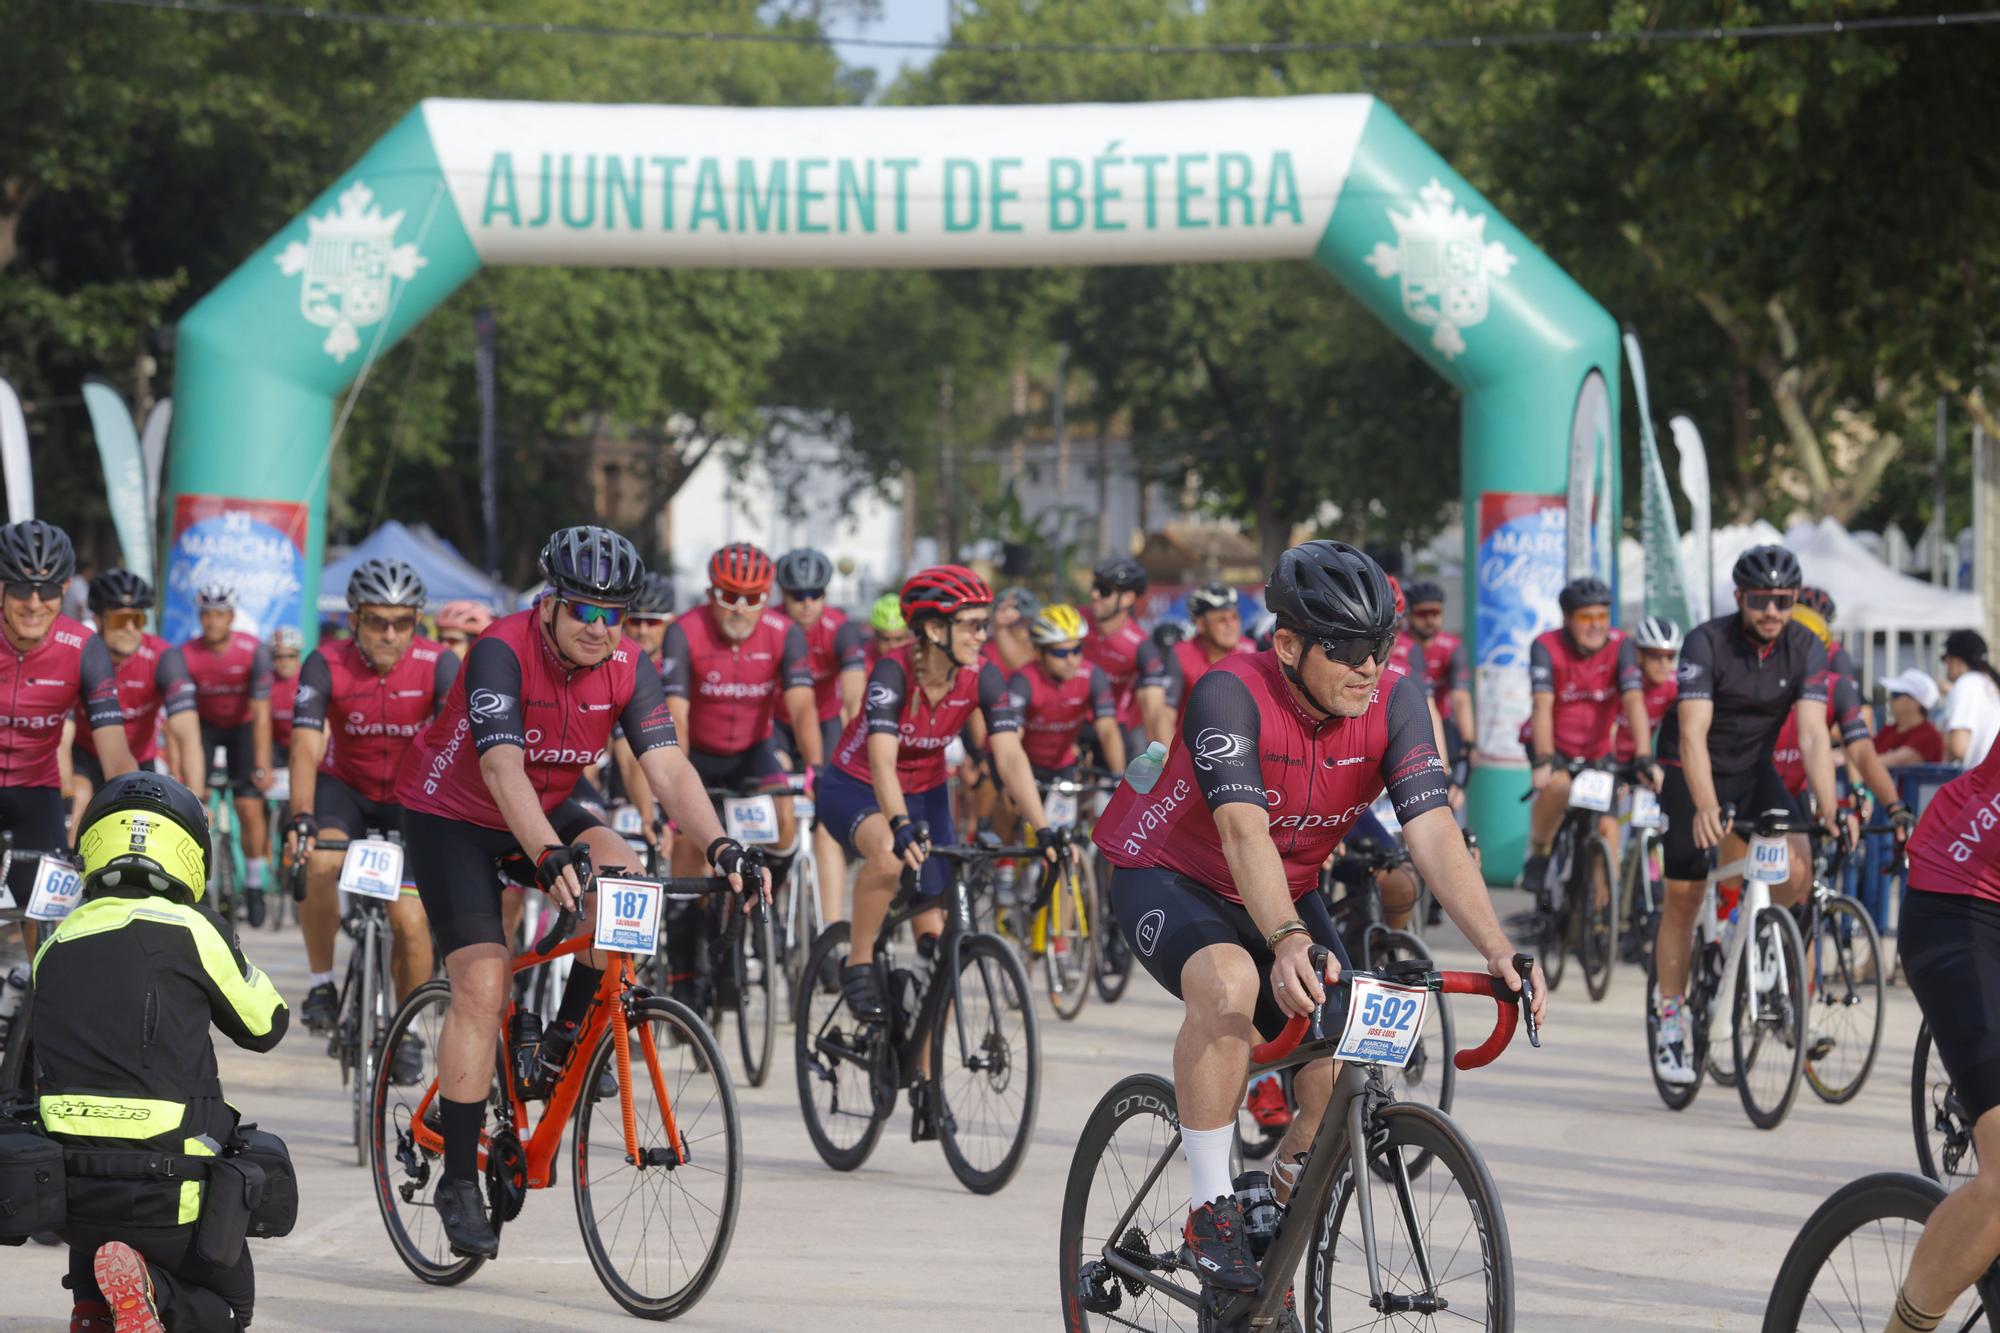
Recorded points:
(902,20)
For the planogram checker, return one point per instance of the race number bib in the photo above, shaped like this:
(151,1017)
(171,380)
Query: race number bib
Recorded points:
(803,808)
(628,915)
(1384,1021)
(372,868)
(58,885)
(281,785)
(751,819)
(1061,809)
(1770,861)
(1646,810)
(627,822)
(1591,790)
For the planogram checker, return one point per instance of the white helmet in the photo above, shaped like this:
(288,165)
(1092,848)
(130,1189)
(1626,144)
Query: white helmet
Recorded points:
(1658,633)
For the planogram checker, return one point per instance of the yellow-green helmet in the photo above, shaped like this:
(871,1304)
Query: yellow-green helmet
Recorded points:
(1059,623)
(146,831)
(887,617)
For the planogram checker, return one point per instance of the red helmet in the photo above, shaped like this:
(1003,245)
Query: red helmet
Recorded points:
(741,570)
(1396,587)
(944,590)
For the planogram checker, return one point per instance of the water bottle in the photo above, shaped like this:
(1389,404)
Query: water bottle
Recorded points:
(1260,1210)
(524,1043)
(1144,771)
(12,991)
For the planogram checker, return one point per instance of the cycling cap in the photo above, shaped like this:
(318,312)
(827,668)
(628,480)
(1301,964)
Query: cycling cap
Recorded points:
(887,615)
(1817,599)
(382,582)
(464,614)
(1767,567)
(1329,590)
(741,570)
(119,590)
(215,597)
(1423,592)
(147,831)
(655,598)
(592,563)
(1658,633)
(804,570)
(1024,601)
(286,638)
(1059,623)
(943,590)
(1168,633)
(1586,591)
(35,552)
(1213,597)
(1120,572)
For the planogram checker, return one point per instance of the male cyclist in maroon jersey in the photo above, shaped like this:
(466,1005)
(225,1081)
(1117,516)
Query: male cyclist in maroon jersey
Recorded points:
(1218,633)
(1217,866)
(1060,696)
(288,647)
(489,783)
(152,681)
(1448,667)
(361,702)
(232,694)
(1137,668)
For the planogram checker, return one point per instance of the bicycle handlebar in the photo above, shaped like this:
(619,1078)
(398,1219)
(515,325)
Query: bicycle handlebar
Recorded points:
(1512,1008)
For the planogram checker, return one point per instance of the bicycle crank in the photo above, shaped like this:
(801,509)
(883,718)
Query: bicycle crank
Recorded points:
(506,1175)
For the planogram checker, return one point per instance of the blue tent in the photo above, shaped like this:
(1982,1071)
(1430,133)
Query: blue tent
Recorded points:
(447,575)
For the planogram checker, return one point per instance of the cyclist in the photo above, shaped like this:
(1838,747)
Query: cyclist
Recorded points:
(1657,640)
(152,683)
(361,702)
(489,782)
(1740,674)
(887,630)
(460,622)
(1218,633)
(650,614)
(287,648)
(1135,664)
(1446,664)
(1011,644)
(1060,695)
(1217,866)
(836,650)
(1584,674)
(232,694)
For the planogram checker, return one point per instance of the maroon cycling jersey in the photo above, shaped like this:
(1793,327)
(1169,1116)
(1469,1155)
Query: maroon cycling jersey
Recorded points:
(1132,661)
(833,644)
(1446,664)
(893,706)
(732,689)
(1054,711)
(515,691)
(1956,845)
(1659,698)
(153,678)
(1245,737)
(370,718)
(1189,662)
(1846,718)
(1587,689)
(68,669)
(226,679)
(284,704)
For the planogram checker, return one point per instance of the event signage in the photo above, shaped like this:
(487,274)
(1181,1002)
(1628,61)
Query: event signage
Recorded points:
(1523,547)
(252,546)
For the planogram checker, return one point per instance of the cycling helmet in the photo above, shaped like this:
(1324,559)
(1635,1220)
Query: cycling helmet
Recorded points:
(1330,590)
(383,582)
(215,597)
(741,570)
(1423,592)
(1586,591)
(1059,623)
(1766,567)
(1121,572)
(655,597)
(1168,633)
(286,638)
(1211,597)
(943,590)
(465,615)
(35,552)
(1817,599)
(1396,588)
(1658,633)
(119,590)
(1024,601)
(592,563)
(886,617)
(144,830)
(804,570)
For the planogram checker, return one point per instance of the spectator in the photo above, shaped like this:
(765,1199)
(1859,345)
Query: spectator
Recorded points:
(1909,738)
(1972,709)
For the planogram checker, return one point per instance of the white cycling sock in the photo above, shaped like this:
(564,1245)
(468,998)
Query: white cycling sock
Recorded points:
(319,979)
(1207,1154)
(253,872)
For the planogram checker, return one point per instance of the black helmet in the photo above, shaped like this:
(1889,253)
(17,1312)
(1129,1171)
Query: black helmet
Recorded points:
(1211,597)
(1329,590)
(1168,633)
(35,552)
(804,570)
(1818,599)
(144,830)
(655,597)
(1422,592)
(593,563)
(384,582)
(1120,572)
(119,590)
(1767,567)
(1586,591)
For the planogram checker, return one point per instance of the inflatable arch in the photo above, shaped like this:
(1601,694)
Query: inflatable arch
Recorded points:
(1340,180)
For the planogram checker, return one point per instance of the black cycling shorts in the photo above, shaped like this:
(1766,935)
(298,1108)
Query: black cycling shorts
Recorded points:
(1168,918)
(1950,947)
(1752,792)
(238,745)
(756,767)
(788,745)
(37,819)
(340,809)
(88,767)
(457,867)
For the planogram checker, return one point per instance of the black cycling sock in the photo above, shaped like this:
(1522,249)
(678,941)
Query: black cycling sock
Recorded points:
(577,993)
(462,1123)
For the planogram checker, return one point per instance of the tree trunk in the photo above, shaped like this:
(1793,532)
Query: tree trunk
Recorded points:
(1104,543)
(14,195)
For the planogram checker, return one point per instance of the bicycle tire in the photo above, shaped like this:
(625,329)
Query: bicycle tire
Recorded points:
(1694,1022)
(1100,1165)
(365,1028)
(823,1014)
(1597,923)
(1778,921)
(384,1164)
(1114,952)
(1860,978)
(716,1102)
(987,970)
(1067,971)
(756,995)
(1433,1081)
(1932,1099)
(1404,1127)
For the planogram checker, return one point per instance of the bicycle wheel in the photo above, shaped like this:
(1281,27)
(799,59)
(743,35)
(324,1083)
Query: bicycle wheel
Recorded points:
(986,1065)
(1430,1077)
(798,910)
(406,1174)
(834,1060)
(1594,889)
(1134,1129)
(1694,1022)
(1946,1151)
(1845,985)
(1069,950)
(657,1231)
(1637,921)
(755,960)
(368,1027)
(1114,955)
(1846,1267)
(1446,1223)
(1770,1047)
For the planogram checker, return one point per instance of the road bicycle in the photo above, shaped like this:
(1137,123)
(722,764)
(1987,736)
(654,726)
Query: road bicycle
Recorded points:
(227,872)
(1846,979)
(656,1167)
(34,900)
(1417,1252)
(1641,874)
(1946,1151)
(959,1033)
(795,905)
(1576,905)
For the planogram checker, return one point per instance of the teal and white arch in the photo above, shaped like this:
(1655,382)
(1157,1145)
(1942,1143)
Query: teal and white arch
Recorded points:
(1340,181)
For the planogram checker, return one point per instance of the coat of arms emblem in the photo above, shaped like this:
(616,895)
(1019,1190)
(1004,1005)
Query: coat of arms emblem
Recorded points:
(349,260)
(1445,262)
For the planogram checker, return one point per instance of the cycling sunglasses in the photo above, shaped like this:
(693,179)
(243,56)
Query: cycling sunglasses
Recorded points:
(808,595)
(387,624)
(48,592)
(590,613)
(1596,615)
(1770,601)
(1105,589)
(128,619)
(1353,652)
(729,603)
(1064,652)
